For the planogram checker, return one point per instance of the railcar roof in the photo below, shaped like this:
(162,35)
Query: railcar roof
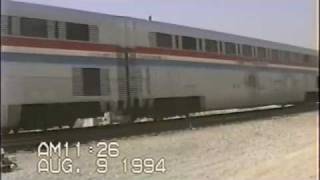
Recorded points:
(15,8)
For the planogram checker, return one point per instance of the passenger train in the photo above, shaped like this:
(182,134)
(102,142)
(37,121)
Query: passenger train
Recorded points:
(61,64)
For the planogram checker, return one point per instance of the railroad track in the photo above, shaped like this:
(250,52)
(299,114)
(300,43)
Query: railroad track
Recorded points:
(27,141)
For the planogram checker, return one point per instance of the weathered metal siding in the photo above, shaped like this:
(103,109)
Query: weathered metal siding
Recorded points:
(129,32)
(47,79)
(225,86)
(32,79)
(44,78)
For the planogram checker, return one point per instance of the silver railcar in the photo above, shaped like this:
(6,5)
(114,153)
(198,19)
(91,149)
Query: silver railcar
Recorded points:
(60,64)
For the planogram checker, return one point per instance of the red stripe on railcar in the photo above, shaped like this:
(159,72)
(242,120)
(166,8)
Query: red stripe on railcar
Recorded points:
(87,46)
(57,44)
(186,53)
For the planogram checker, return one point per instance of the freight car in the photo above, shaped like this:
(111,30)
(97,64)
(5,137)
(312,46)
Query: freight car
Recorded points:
(61,64)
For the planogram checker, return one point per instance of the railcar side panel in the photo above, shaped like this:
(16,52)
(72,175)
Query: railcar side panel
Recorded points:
(45,79)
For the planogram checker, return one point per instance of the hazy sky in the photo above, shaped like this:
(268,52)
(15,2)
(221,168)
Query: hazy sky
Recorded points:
(287,21)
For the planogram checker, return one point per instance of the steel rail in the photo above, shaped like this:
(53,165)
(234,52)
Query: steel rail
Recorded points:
(28,141)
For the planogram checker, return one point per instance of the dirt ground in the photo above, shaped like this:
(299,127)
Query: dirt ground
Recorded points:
(271,149)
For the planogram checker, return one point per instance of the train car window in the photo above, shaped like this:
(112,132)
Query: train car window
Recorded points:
(177,41)
(247,50)
(77,31)
(164,40)
(281,56)
(33,27)
(274,55)
(221,47)
(315,60)
(9,24)
(189,43)
(230,49)
(238,50)
(296,57)
(56,29)
(286,56)
(306,59)
(211,45)
(200,44)
(261,52)
(91,81)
